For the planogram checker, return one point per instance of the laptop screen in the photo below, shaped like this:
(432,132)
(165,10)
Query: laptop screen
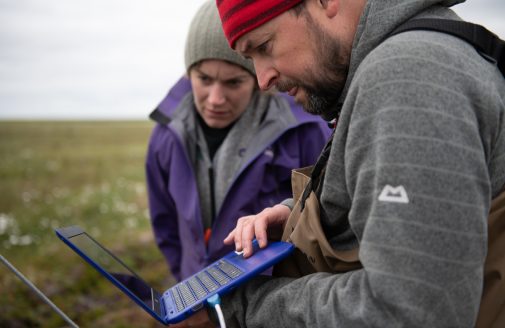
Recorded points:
(117,269)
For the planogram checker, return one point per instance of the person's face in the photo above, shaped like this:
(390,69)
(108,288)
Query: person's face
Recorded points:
(221,91)
(296,55)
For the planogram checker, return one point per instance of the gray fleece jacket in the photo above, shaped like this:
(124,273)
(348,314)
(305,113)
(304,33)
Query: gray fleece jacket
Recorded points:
(418,153)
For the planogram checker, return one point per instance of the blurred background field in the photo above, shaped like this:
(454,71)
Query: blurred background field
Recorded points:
(86,173)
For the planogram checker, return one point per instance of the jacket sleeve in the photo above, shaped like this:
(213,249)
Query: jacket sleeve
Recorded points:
(161,205)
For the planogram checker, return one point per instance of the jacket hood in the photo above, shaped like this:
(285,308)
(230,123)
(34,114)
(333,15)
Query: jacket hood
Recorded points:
(378,20)
(280,114)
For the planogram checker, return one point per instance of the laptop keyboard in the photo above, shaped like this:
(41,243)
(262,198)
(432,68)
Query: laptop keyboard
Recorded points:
(198,287)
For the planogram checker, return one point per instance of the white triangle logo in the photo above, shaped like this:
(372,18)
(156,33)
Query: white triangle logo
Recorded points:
(394,194)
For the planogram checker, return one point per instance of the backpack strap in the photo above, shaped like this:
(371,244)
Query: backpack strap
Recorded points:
(481,38)
(157,116)
(317,173)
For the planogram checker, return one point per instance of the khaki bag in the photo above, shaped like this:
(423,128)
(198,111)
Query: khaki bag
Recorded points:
(492,306)
(313,252)
(303,228)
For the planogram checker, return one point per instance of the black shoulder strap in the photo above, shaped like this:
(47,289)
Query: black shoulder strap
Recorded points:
(158,116)
(317,172)
(482,39)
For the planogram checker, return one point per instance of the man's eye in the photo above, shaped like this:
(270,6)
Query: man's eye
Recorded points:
(262,48)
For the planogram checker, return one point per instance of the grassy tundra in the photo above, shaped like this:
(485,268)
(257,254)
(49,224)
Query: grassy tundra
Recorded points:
(90,174)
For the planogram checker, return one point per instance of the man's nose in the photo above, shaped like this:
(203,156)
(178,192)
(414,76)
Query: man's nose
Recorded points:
(267,75)
(216,94)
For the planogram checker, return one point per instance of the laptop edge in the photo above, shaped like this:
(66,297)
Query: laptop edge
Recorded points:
(157,310)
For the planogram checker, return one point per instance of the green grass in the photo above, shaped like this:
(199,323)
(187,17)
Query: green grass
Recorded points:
(89,174)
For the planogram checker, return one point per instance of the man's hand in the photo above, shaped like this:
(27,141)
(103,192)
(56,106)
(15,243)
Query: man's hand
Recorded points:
(198,320)
(270,219)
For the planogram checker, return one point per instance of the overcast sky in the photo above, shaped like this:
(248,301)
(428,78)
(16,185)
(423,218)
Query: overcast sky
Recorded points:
(110,59)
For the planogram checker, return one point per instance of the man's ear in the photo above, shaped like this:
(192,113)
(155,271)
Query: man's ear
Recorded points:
(331,7)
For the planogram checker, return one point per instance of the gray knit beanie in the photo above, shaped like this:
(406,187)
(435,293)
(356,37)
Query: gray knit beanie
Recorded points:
(206,40)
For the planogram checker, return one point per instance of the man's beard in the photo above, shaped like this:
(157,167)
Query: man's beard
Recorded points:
(323,86)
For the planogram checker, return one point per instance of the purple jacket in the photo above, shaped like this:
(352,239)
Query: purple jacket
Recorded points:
(263,181)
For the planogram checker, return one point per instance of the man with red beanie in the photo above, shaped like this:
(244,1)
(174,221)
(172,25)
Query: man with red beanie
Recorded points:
(403,192)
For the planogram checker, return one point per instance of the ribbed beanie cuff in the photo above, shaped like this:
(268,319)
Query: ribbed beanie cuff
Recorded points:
(241,16)
(206,40)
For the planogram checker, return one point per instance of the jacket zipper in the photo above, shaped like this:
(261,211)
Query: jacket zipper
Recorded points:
(212,195)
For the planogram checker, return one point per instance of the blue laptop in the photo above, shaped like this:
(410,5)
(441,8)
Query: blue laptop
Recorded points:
(186,297)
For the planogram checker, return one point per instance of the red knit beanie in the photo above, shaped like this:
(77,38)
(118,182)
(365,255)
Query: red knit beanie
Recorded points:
(241,16)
